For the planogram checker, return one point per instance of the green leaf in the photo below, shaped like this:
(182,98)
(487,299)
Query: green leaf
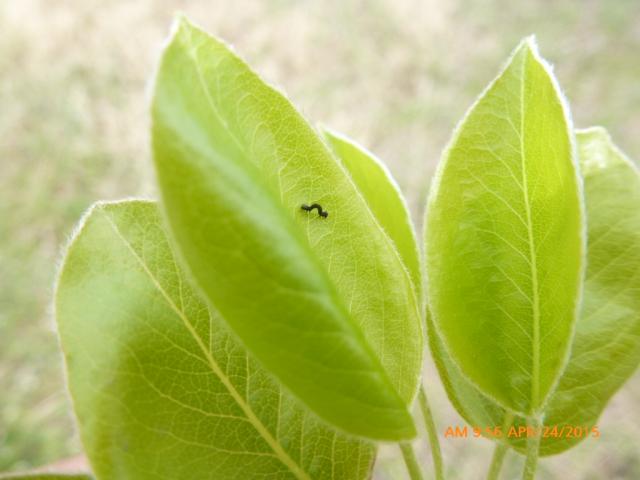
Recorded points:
(45,476)
(606,350)
(325,304)
(384,197)
(505,237)
(476,408)
(160,387)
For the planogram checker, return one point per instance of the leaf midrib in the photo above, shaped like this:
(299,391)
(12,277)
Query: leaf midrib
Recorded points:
(244,406)
(535,357)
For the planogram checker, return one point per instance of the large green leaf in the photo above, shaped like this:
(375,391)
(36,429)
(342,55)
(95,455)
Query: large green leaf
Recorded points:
(161,389)
(325,304)
(383,195)
(505,237)
(606,349)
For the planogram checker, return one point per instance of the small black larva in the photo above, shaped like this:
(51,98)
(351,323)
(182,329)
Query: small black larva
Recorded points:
(321,212)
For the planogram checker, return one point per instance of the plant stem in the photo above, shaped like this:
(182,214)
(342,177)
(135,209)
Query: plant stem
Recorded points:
(410,460)
(496,461)
(501,449)
(430,425)
(533,448)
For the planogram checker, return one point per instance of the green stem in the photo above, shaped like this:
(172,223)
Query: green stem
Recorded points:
(533,449)
(496,462)
(501,449)
(430,425)
(410,460)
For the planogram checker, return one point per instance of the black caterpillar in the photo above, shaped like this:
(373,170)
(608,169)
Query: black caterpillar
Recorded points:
(321,212)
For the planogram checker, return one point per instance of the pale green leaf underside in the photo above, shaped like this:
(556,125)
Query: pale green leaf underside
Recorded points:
(504,237)
(383,196)
(606,347)
(161,389)
(325,304)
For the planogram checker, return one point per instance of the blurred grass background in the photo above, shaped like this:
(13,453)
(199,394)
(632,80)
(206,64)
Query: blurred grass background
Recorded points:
(394,74)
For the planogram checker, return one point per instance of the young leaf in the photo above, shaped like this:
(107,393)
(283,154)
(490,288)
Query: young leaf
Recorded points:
(381,192)
(605,351)
(161,389)
(325,304)
(379,189)
(504,237)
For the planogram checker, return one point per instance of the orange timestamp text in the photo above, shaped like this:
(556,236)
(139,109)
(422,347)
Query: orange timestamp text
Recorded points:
(523,431)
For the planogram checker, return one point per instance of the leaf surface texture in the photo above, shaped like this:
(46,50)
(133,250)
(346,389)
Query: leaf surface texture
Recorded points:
(505,237)
(325,304)
(606,348)
(161,388)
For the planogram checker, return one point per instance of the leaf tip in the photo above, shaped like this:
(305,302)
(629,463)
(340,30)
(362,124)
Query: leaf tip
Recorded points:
(531,41)
(595,131)
(603,150)
(180,21)
(183,27)
(529,46)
